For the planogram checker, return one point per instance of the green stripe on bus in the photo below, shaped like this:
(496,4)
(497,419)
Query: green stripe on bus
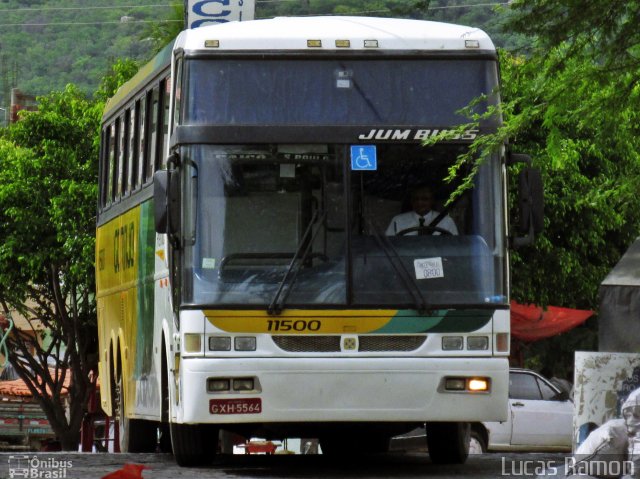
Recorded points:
(146,270)
(439,321)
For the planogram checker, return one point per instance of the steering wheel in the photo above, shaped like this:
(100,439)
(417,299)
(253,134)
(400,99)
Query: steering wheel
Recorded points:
(424,230)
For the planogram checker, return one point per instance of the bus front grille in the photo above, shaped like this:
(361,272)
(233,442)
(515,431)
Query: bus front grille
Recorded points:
(332,344)
(390,343)
(308,344)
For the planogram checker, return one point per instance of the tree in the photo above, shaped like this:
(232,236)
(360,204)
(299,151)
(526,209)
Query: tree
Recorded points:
(164,31)
(48,165)
(587,56)
(48,191)
(573,104)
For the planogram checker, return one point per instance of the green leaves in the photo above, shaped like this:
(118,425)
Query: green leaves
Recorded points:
(48,172)
(48,192)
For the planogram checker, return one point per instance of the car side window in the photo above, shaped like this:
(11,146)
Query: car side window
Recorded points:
(547,391)
(523,386)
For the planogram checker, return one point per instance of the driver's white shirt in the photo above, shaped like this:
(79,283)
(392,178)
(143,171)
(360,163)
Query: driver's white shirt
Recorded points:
(411,219)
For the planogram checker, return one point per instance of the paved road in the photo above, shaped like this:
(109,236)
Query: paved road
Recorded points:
(162,466)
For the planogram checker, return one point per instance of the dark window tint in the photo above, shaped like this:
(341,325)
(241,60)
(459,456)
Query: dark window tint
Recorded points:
(547,391)
(112,162)
(166,90)
(336,92)
(142,139)
(523,386)
(177,95)
(152,134)
(132,150)
(122,152)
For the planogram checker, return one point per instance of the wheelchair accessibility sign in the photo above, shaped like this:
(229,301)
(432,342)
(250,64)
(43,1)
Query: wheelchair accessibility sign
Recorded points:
(363,158)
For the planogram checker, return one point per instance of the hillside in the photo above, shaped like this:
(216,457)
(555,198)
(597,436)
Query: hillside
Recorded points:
(45,44)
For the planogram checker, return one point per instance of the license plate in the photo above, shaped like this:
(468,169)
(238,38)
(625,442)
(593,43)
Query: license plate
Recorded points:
(235,406)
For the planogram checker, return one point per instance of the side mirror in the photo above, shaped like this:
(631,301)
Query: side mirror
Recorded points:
(166,204)
(530,201)
(161,200)
(561,396)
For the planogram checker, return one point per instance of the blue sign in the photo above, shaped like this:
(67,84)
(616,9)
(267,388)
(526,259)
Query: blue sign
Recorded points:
(210,12)
(363,158)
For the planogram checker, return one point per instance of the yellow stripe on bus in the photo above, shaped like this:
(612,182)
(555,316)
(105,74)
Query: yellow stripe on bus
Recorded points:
(301,322)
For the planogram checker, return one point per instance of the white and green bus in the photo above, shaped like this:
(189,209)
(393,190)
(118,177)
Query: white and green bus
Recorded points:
(248,278)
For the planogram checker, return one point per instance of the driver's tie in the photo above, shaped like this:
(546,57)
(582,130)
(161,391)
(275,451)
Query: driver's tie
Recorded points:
(421,221)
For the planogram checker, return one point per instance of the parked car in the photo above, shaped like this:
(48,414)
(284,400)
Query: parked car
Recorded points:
(540,418)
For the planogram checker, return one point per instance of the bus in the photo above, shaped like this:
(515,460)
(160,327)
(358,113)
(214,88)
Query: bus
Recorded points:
(253,274)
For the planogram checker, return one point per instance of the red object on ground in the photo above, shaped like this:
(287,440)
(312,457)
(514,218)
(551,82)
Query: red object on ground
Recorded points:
(128,471)
(256,447)
(531,323)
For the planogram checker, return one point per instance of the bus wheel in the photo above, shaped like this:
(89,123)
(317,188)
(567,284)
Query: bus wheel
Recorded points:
(448,442)
(194,444)
(135,435)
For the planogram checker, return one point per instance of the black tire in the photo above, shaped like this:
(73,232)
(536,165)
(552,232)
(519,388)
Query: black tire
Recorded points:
(476,439)
(135,435)
(448,442)
(194,444)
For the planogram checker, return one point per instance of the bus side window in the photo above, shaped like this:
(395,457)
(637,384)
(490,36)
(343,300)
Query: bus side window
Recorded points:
(152,136)
(142,138)
(165,87)
(177,96)
(124,157)
(104,166)
(112,163)
(132,150)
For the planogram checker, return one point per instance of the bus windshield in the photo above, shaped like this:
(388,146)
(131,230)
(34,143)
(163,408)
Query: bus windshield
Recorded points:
(299,92)
(294,224)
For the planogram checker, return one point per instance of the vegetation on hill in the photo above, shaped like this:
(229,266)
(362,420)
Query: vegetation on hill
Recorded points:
(46,44)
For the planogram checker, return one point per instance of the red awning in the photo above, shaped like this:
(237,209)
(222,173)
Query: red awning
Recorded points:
(531,322)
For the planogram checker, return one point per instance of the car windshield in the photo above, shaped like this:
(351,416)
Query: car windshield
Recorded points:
(294,225)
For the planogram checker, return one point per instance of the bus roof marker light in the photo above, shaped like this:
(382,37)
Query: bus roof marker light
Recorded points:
(343,44)
(314,43)
(212,43)
(472,44)
(371,43)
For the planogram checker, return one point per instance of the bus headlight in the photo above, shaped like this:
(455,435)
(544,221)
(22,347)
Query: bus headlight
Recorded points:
(478,384)
(478,343)
(219,343)
(452,343)
(217,385)
(243,384)
(468,384)
(455,384)
(245,343)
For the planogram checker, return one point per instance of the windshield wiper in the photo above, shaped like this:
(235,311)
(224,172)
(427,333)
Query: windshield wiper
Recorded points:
(276,305)
(410,283)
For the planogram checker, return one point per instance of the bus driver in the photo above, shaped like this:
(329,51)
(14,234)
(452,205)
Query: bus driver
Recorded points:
(418,220)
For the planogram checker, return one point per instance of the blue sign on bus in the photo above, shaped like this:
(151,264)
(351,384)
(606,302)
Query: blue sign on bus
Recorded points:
(363,158)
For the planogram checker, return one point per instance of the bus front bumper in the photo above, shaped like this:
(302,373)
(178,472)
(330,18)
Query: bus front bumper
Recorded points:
(342,390)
